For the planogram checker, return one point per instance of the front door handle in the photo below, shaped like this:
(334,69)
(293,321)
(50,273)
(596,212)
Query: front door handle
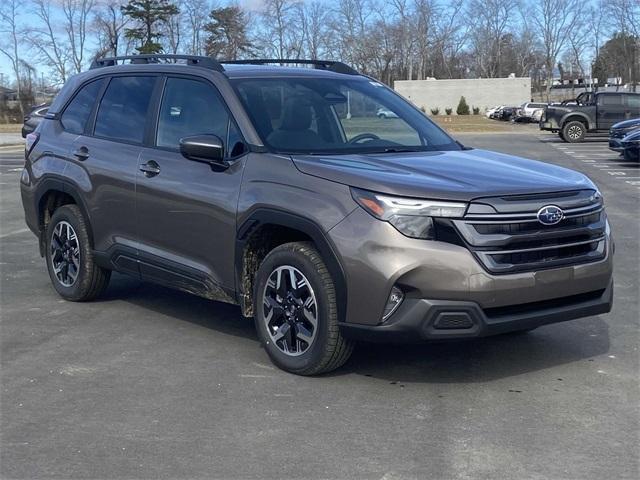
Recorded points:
(150,169)
(81,153)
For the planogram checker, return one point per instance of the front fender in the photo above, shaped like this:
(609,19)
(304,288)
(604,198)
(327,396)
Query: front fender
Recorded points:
(571,116)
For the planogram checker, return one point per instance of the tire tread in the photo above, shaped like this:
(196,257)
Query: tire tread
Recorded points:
(97,277)
(338,349)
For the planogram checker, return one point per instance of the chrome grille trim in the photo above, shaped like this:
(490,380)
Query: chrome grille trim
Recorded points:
(530,216)
(517,244)
(548,247)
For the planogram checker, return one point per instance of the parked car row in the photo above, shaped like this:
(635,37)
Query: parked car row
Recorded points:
(624,137)
(526,113)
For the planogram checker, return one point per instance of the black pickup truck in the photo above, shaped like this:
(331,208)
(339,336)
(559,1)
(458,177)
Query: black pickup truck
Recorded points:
(591,113)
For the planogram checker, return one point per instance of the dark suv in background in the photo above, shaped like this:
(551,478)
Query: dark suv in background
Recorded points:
(592,113)
(282,190)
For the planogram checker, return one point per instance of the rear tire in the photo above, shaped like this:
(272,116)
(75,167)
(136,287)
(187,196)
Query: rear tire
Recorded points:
(574,132)
(72,269)
(295,311)
(561,135)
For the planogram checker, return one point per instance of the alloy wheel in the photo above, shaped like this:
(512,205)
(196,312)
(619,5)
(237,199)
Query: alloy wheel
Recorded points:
(65,253)
(575,132)
(290,310)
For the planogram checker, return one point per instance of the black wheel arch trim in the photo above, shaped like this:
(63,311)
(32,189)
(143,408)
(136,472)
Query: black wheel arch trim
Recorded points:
(272,216)
(577,117)
(58,184)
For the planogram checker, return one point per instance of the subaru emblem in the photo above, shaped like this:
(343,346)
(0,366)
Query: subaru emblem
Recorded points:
(550,215)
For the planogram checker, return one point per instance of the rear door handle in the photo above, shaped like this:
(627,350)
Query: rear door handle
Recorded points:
(81,153)
(150,169)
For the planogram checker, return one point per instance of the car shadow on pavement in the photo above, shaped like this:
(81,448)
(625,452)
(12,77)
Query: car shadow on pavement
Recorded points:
(467,361)
(484,359)
(218,316)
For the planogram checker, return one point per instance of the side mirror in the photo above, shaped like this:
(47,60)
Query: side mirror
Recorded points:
(204,148)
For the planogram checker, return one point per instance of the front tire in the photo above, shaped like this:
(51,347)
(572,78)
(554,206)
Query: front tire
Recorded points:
(72,269)
(574,132)
(296,313)
(631,156)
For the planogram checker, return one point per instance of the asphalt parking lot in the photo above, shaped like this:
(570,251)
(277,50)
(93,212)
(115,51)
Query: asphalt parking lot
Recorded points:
(152,383)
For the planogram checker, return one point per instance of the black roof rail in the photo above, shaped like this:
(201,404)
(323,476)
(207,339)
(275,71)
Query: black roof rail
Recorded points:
(332,66)
(195,60)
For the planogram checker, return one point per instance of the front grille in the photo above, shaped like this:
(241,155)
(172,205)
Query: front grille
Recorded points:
(515,240)
(546,255)
(618,133)
(528,227)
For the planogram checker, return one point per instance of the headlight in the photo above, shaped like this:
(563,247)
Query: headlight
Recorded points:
(410,216)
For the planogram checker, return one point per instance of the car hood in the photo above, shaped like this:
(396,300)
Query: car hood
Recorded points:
(453,175)
(632,136)
(634,122)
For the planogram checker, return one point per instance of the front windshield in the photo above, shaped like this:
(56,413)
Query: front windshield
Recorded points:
(336,116)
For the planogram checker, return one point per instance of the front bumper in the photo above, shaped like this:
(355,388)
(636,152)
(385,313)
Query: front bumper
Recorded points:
(423,320)
(436,275)
(549,126)
(615,144)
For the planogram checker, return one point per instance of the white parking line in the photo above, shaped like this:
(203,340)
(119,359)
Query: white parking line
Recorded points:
(603,159)
(15,232)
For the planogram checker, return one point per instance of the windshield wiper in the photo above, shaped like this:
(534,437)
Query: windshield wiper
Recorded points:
(399,150)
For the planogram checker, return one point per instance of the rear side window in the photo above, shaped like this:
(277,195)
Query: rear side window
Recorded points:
(76,115)
(123,110)
(611,100)
(190,107)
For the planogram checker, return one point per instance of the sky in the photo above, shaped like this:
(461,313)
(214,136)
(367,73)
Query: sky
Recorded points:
(27,17)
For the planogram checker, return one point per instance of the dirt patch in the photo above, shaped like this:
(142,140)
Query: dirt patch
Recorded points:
(10,127)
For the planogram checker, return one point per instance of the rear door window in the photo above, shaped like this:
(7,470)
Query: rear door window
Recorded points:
(610,99)
(75,116)
(122,113)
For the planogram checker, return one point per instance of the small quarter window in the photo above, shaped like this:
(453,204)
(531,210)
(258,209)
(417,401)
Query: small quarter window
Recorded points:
(75,117)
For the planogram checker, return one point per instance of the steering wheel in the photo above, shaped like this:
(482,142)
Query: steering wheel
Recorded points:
(364,136)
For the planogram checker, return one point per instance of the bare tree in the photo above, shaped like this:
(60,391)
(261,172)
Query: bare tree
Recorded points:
(76,14)
(450,38)
(624,18)
(354,35)
(315,31)
(492,20)
(425,12)
(174,29)
(9,42)
(47,42)
(554,19)
(109,26)
(195,17)
(280,36)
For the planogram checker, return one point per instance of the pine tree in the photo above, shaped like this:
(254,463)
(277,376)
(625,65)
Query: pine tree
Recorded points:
(463,108)
(227,33)
(148,16)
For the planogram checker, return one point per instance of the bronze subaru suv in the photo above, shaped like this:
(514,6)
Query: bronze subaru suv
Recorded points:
(282,190)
